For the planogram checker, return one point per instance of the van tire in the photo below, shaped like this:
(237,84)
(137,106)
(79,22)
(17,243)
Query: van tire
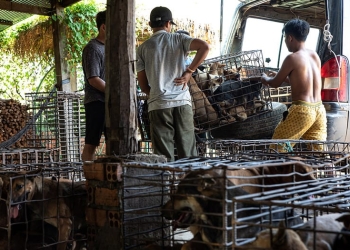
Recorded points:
(256,127)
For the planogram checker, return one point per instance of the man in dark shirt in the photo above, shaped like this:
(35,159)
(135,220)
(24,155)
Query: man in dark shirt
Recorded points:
(94,76)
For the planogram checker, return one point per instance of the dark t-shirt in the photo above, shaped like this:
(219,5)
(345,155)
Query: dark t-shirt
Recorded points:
(93,65)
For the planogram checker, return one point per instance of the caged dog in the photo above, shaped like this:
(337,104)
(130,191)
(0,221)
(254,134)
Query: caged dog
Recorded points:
(237,100)
(342,240)
(203,112)
(198,204)
(318,233)
(60,203)
(282,239)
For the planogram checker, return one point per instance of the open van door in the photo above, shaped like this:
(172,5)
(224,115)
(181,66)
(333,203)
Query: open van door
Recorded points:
(330,19)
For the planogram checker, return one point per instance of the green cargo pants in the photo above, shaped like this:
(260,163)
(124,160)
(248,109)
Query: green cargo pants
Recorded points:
(173,127)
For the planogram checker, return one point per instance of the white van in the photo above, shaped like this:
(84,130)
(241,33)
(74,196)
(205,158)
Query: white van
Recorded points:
(257,24)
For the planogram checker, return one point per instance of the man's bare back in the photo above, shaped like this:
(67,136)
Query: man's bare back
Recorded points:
(306,117)
(302,69)
(305,75)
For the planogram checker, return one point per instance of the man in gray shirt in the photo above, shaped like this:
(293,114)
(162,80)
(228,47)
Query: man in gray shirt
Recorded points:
(94,76)
(163,76)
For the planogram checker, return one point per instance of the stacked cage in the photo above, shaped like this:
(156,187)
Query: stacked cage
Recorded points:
(42,206)
(224,202)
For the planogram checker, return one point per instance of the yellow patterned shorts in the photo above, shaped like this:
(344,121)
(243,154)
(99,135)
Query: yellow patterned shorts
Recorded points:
(305,121)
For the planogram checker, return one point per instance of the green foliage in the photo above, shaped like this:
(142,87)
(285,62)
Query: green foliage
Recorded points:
(31,69)
(20,74)
(16,79)
(81,27)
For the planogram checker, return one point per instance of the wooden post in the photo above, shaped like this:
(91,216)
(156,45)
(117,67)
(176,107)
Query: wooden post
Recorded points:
(59,39)
(121,105)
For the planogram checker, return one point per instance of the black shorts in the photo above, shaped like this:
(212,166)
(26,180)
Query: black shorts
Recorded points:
(95,122)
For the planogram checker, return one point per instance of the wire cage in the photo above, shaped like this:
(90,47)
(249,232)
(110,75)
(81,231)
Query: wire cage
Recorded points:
(322,206)
(224,90)
(45,127)
(304,149)
(60,124)
(281,94)
(28,156)
(142,116)
(42,206)
(71,121)
(227,89)
(145,146)
(189,201)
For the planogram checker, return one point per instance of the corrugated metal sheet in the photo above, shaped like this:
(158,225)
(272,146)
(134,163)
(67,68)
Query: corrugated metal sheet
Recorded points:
(15,11)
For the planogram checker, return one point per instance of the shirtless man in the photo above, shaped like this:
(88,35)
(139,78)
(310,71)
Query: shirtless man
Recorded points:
(306,117)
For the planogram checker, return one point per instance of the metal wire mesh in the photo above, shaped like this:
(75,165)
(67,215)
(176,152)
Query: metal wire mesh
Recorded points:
(266,149)
(227,89)
(281,94)
(61,124)
(45,128)
(145,147)
(71,120)
(253,187)
(311,201)
(28,156)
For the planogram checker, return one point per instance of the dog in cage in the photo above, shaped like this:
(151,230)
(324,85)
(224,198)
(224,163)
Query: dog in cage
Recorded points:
(232,97)
(202,203)
(238,99)
(203,111)
(282,239)
(342,240)
(250,179)
(217,68)
(318,233)
(205,80)
(57,206)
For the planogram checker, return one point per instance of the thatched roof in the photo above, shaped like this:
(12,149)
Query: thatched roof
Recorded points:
(37,41)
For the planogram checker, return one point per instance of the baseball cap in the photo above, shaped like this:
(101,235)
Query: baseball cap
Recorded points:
(161,14)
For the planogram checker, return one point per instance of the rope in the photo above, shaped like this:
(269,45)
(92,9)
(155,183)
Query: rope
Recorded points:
(16,137)
(327,37)
(287,146)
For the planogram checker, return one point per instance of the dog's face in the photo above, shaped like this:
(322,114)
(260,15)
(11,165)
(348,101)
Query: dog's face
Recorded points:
(187,206)
(345,238)
(19,186)
(217,68)
(214,82)
(232,74)
(197,205)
